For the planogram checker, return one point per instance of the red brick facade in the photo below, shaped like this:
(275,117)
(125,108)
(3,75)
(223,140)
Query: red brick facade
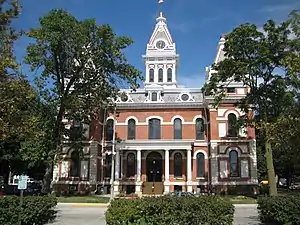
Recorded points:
(164,137)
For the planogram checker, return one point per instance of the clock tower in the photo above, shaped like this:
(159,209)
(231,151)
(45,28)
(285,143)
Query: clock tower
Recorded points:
(161,59)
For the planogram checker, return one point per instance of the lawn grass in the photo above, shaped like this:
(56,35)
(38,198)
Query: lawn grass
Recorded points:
(101,199)
(83,199)
(232,199)
(240,199)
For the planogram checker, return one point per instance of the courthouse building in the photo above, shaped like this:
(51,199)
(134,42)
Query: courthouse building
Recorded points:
(168,137)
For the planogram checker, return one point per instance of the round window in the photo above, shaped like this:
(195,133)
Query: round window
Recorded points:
(124,98)
(185,97)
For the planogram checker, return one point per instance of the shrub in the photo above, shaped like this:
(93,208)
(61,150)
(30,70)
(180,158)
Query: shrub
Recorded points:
(279,210)
(124,195)
(36,210)
(168,210)
(264,189)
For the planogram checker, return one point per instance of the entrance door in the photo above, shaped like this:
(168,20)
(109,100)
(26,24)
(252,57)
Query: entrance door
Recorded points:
(154,167)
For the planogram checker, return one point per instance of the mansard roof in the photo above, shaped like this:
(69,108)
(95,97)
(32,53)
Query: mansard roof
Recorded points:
(173,98)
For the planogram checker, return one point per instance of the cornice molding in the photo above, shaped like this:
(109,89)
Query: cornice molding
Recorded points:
(160,105)
(155,144)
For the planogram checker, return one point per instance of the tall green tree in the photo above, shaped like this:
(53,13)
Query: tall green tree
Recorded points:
(81,64)
(18,118)
(258,60)
(293,63)
(9,10)
(286,143)
(35,153)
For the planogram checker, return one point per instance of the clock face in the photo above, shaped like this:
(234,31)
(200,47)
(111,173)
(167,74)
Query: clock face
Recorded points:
(160,44)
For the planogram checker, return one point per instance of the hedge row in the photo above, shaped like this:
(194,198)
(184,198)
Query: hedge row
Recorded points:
(38,210)
(168,210)
(279,210)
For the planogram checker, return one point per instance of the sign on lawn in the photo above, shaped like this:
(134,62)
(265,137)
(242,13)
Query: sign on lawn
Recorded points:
(22,184)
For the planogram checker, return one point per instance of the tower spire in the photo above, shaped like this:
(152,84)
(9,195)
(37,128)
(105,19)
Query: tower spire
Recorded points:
(161,59)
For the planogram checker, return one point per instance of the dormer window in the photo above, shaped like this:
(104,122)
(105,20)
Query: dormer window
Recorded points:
(160,75)
(185,97)
(154,96)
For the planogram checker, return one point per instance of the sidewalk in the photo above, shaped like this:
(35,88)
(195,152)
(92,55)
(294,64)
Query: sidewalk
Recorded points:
(83,204)
(246,214)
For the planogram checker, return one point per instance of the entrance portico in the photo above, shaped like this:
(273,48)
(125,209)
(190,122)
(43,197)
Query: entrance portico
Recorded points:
(155,166)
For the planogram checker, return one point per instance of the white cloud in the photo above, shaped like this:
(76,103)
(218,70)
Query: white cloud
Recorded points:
(191,81)
(278,12)
(187,26)
(278,8)
(183,27)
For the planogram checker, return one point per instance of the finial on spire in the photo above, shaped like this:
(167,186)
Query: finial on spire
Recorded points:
(160,3)
(160,14)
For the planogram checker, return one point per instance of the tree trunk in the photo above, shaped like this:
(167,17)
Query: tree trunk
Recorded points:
(47,179)
(270,168)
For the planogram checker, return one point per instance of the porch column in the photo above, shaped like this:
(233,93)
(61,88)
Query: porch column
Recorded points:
(189,170)
(139,164)
(121,165)
(167,165)
(167,172)
(138,184)
(117,167)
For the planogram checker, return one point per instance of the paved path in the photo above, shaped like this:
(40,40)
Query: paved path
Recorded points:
(246,214)
(69,214)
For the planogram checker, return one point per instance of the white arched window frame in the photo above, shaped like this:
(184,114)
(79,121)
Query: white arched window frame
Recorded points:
(177,127)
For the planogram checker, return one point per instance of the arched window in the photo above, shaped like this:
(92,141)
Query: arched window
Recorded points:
(160,75)
(232,125)
(75,164)
(131,129)
(151,75)
(177,126)
(177,165)
(154,129)
(200,165)
(109,129)
(130,165)
(199,129)
(169,75)
(234,164)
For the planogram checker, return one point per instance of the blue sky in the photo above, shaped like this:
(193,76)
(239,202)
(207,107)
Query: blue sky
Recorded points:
(195,25)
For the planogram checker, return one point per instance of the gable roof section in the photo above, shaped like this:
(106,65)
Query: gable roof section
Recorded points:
(220,52)
(161,31)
